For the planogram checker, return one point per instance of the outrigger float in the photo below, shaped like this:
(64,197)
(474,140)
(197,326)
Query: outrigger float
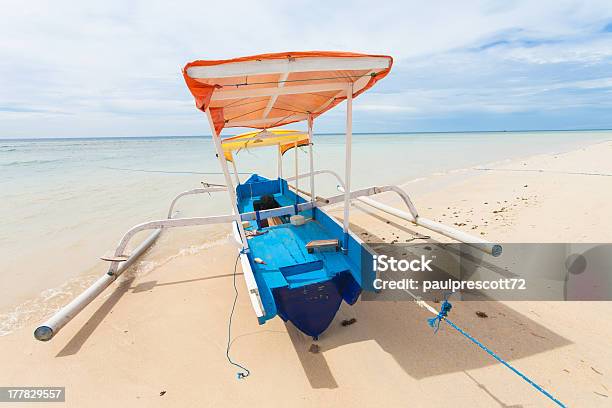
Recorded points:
(298,262)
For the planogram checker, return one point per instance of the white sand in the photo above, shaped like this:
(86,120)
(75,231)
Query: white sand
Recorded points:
(166,329)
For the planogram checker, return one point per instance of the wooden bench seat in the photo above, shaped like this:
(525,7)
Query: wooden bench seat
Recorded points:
(322,243)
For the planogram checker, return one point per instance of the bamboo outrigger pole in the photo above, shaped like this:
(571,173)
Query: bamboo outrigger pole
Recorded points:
(454,233)
(47,330)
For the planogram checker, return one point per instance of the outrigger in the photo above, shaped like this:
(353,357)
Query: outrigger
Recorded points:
(298,261)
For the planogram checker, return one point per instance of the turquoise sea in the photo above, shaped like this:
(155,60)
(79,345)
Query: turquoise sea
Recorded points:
(65,202)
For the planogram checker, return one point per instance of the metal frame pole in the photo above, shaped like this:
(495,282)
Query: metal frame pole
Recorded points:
(296,172)
(235,169)
(280,162)
(280,169)
(347,169)
(228,180)
(311,158)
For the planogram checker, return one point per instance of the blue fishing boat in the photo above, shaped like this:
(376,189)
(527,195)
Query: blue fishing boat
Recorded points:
(298,262)
(302,272)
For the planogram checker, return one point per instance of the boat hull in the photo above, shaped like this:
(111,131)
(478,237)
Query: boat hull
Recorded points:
(312,308)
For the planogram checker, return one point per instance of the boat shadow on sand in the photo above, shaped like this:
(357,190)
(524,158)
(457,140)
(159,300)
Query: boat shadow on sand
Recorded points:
(77,341)
(400,329)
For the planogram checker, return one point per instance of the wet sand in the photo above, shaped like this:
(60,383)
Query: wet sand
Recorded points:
(158,337)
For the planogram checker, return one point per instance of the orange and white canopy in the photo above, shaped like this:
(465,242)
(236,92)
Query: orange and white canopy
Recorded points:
(269,90)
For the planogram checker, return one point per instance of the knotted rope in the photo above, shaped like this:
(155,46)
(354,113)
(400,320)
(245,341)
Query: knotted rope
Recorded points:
(443,315)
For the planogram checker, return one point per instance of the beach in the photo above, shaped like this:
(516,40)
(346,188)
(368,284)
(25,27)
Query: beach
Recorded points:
(158,336)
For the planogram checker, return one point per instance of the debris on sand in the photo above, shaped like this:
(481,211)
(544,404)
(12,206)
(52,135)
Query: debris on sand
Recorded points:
(482,315)
(348,322)
(162,393)
(314,348)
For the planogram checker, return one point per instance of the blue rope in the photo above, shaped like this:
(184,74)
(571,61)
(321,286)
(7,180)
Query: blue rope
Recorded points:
(245,371)
(442,315)
(444,309)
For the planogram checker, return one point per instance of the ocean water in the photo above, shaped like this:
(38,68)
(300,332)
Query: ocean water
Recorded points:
(65,202)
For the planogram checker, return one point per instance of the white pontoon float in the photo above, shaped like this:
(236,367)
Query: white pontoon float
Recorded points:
(298,261)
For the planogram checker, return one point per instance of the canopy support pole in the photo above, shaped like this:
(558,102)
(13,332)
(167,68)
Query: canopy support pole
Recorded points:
(235,169)
(311,158)
(347,170)
(280,162)
(296,172)
(280,168)
(228,180)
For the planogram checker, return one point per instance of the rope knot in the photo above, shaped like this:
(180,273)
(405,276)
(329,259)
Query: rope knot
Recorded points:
(434,322)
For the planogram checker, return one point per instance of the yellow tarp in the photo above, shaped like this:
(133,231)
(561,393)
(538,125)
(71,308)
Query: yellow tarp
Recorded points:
(285,139)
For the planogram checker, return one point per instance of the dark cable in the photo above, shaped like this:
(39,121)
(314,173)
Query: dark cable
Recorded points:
(167,172)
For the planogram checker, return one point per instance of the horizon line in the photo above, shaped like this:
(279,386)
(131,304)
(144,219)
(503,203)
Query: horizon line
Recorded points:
(318,134)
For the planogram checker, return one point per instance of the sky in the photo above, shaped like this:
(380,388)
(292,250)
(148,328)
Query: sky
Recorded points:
(113,68)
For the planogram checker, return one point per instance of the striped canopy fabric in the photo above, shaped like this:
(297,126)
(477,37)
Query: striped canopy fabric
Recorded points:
(269,90)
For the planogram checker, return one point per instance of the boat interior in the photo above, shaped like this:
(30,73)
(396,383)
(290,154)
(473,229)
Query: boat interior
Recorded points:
(288,262)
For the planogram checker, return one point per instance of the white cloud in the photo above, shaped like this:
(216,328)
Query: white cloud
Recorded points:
(113,67)
(583,50)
